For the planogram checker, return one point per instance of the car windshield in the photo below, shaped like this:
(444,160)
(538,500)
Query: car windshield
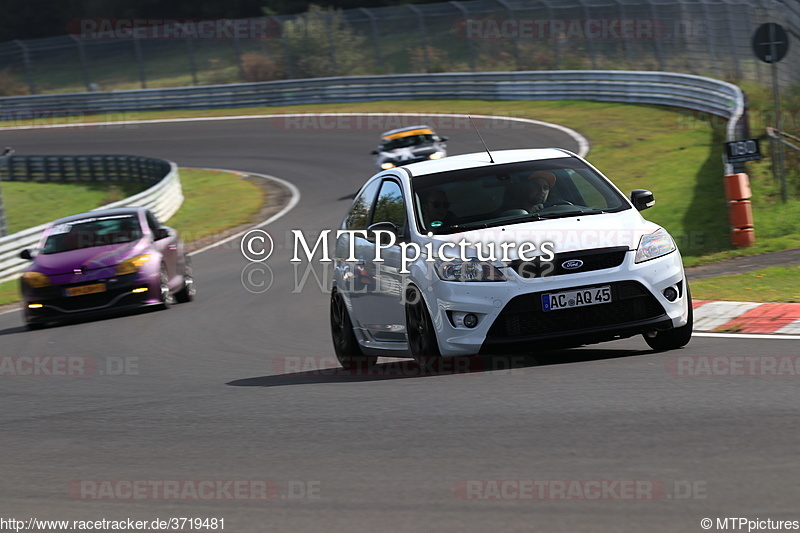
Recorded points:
(514,193)
(91,232)
(405,142)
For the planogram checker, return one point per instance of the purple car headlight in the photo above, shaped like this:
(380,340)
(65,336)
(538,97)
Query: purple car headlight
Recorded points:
(36,280)
(132,265)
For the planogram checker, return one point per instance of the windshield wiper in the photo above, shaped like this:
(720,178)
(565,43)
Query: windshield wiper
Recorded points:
(495,223)
(550,216)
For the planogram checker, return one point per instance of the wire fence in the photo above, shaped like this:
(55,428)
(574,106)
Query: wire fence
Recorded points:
(705,37)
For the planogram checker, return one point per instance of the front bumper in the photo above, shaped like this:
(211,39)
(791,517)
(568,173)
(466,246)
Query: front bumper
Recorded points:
(119,295)
(511,319)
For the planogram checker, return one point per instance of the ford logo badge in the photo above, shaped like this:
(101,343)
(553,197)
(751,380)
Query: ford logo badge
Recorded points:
(572,264)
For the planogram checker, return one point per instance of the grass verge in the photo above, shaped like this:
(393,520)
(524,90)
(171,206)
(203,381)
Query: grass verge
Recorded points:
(32,204)
(213,203)
(772,284)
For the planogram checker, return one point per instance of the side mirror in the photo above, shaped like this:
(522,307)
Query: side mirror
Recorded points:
(642,199)
(160,233)
(374,152)
(443,139)
(26,254)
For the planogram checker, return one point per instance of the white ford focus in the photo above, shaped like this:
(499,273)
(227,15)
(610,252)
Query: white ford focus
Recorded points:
(510,252)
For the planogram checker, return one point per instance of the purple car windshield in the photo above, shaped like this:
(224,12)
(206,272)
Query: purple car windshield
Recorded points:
(91,232)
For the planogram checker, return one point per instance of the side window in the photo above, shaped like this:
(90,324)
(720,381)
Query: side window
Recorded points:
(358,216)
(390,205)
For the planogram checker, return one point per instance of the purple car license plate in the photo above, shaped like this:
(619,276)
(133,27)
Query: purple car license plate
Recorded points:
(85,289)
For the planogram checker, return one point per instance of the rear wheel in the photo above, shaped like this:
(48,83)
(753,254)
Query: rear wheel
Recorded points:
(345,344)
(419,329)
(672,339)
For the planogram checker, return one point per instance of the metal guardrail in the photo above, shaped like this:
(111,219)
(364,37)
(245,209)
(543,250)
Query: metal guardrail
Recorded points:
(163,198)
(665,88)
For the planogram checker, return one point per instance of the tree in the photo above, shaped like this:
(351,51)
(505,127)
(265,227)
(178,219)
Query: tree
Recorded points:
(321,43)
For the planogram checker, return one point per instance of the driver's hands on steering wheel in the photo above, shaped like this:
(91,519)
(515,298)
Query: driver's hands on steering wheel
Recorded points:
(535,208)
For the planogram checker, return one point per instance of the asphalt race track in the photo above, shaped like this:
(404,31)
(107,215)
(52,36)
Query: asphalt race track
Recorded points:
(223,397)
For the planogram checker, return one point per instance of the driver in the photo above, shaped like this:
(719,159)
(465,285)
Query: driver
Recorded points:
(536,188)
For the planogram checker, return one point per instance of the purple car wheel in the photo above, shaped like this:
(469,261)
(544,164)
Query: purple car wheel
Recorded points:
(188,291)
(167,298)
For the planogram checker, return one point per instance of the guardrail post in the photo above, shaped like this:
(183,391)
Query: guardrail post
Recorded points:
(470,42)
(84,61)
(423,35)
(26,59)
(514,46)
(331,45)
(625,42)
(376,37)
(556,43)
(137,49)
(590,42)
(657,40)
(4,162)
(287,53)
(190,55)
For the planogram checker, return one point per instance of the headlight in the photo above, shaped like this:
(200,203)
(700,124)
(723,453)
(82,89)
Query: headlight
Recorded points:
(458,270)
(387,165)
(132,265)
(655,245)
(36,280)
(436,155)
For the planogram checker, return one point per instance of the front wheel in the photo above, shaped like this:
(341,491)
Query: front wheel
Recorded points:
(167,298)
(419,328)
(345,344)
(675,338)
(187,292)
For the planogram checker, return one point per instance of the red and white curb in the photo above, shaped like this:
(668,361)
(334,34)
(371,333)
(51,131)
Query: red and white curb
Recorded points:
(746,317)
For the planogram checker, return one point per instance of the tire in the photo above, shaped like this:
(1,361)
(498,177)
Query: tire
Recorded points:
(189,289)
(345,344)
(35,326)
(675,338)
(167,298)
(422,341)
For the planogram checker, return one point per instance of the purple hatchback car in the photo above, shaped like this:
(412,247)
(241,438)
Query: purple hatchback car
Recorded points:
(90,263)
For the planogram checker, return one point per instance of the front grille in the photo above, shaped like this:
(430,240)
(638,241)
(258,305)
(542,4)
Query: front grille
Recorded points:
(523,315)
(90,301)
(55,296)
(598,259)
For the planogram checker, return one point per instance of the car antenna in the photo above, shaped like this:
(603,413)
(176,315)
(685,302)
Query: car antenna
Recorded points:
(491,160)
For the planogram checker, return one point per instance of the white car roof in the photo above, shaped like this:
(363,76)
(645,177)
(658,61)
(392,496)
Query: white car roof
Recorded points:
(481,159)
